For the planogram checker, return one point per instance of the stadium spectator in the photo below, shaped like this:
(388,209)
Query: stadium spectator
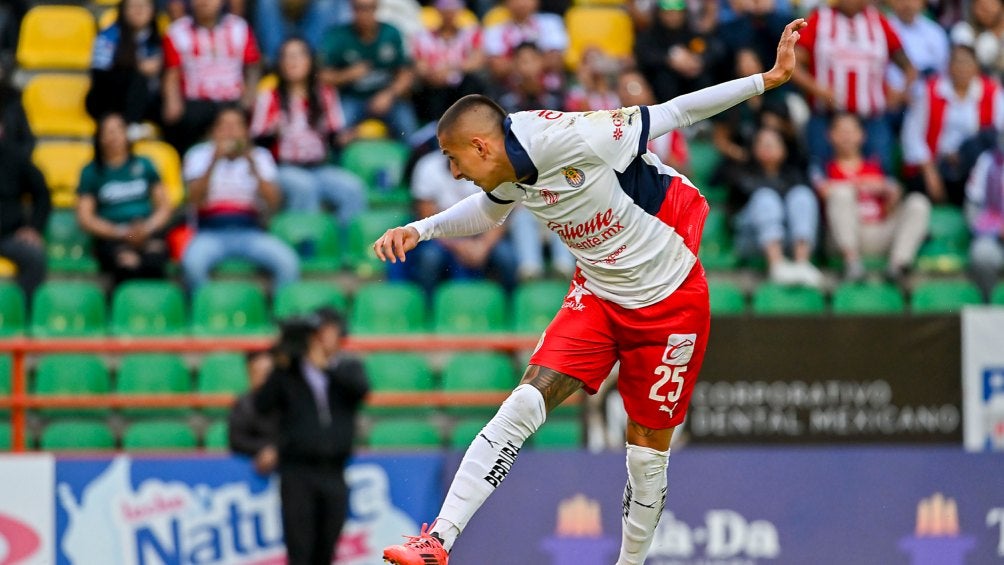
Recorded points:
(843,55)
(527,25)
(126,65)
(122,203)
(954,118)
(984,32)
(248,432)
(227,177)
(756,24)
(368,62)
(278,20)
(865,209)
(985,211)
(776,211)
(15,131)
(315,392)
(674,57)
(924,41)
(595,86)
(11,14)
(447,61)
(527,88)
(210,60)
(671,149)
(300,119)
(433,190)
(24,212)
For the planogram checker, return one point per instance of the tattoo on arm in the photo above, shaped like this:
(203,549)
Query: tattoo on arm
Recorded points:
(554,386)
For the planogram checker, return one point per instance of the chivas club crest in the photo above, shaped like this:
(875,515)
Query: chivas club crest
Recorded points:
(574,177)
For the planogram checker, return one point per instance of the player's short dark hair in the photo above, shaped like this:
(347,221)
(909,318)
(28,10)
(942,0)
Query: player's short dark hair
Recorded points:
(467,104)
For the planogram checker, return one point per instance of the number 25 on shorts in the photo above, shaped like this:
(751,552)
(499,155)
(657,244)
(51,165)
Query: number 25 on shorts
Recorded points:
(679,350)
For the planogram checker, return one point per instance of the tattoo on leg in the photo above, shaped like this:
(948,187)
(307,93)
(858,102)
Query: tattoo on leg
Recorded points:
(641,430)
(554,386)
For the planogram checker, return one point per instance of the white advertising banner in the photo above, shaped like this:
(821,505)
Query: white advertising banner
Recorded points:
(983,378)
(27,513)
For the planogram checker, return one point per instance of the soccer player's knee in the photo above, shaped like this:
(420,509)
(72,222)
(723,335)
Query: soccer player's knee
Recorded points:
(524,409)
(646,462)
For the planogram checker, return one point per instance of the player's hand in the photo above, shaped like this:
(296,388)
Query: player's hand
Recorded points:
(784,66)
(395,242)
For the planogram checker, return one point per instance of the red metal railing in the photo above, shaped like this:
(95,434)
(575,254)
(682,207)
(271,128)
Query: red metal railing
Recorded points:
(20,400)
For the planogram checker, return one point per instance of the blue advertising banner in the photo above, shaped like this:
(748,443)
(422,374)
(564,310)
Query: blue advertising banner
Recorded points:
(757,506)
(174,511)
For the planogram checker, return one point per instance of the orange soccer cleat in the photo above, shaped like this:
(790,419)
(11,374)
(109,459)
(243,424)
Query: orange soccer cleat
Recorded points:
(423,549)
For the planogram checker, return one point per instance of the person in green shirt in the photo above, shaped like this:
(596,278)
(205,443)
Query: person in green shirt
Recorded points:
(367,62)
(122,203)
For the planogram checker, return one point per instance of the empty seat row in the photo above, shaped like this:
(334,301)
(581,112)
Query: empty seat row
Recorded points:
(159,308)
(934,296)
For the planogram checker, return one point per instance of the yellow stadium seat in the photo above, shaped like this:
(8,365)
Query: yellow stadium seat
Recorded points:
(268,82)
(108,2)
(608,29)
(107,18)
(168,165)
(55,105)
(615,3)
(7,268)
(432,20)
(497,15)
(371,128)
(56,37)
(61,163)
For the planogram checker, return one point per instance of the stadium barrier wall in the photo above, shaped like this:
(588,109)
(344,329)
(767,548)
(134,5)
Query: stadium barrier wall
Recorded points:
(920,505)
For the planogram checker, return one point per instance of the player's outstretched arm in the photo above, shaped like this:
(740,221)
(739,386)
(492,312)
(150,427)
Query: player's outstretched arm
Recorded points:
(475,214)
(683,111)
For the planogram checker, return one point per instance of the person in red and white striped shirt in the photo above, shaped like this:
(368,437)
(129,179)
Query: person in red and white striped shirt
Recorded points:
(299,120)
(447,61)
(843,54)
(953,120)
(210,59)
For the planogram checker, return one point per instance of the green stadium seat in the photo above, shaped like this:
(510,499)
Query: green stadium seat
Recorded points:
(313,236)
(12,309)
(6,374)
(153,373)
(466,307)
(404,434)
(68,309)
(940,296)
(148,308)
(399,372)
(478,371)
(464,432)
(229,308)
(536,303)
(727,298)
(159,435)
(303,297)
(67,247)
(6,436)
(558,434)
(997,296)
(388,308)
(380,163)
(852,298)
(704,160)
(72,373)
(948,242)
(221,373)
(774,299)
(215,438)
(716,251)
(76,435)
(363,231)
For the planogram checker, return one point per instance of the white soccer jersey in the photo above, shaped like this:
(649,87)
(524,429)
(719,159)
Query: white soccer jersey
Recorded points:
(633,223)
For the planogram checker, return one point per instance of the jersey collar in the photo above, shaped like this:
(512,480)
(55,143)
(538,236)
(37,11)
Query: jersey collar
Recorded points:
(526,171)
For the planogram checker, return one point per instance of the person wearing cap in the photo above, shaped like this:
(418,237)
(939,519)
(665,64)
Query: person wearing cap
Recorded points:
(315,392)
(675,58)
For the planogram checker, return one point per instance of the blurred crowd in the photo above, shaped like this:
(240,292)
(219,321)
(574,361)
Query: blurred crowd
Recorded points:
(895,108)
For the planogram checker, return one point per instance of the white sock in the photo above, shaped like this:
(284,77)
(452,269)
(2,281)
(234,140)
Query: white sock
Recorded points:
(644,499)
(489,459)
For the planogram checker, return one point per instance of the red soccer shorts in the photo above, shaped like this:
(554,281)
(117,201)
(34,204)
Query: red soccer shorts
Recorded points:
(660,348)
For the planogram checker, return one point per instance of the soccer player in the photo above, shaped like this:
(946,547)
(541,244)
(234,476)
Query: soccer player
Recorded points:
(638,296)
